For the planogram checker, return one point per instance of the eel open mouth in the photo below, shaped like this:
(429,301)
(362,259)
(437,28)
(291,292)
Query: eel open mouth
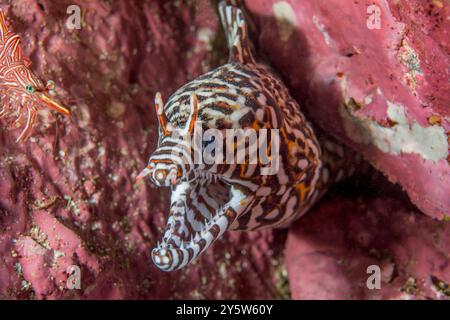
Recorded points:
(195,221)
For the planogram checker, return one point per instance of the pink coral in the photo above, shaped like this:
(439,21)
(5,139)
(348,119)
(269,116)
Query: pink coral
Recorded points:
(68,198)
(373,74)
(329,252)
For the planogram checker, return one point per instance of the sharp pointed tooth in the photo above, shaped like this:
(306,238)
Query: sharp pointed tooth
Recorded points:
(173,176)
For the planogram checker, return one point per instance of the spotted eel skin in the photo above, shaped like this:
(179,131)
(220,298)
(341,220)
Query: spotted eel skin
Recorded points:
(208,199)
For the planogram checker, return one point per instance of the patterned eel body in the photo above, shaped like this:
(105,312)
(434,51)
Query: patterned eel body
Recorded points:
(208,199)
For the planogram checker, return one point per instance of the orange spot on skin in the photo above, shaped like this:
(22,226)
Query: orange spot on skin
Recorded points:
(161,161)
(291,145)
(255,125)
(242,169)
(302,190)
(194,102)
(283,133)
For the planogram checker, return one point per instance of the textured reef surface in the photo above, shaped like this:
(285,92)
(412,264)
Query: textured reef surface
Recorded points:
(374,74)
(68,198)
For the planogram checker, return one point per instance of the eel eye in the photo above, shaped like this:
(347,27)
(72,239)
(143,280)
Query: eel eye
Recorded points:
(30,88)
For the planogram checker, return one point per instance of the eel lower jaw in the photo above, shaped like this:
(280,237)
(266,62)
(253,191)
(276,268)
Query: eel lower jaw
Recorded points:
(178,249)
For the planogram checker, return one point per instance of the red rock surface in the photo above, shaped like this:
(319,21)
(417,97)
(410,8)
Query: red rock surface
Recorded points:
(382,91)
(68,198)
(329,250)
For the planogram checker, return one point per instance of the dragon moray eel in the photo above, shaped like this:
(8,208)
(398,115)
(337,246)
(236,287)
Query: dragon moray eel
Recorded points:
(238,99)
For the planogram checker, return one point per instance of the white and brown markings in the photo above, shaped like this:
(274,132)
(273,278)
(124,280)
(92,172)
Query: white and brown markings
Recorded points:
(207,200)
